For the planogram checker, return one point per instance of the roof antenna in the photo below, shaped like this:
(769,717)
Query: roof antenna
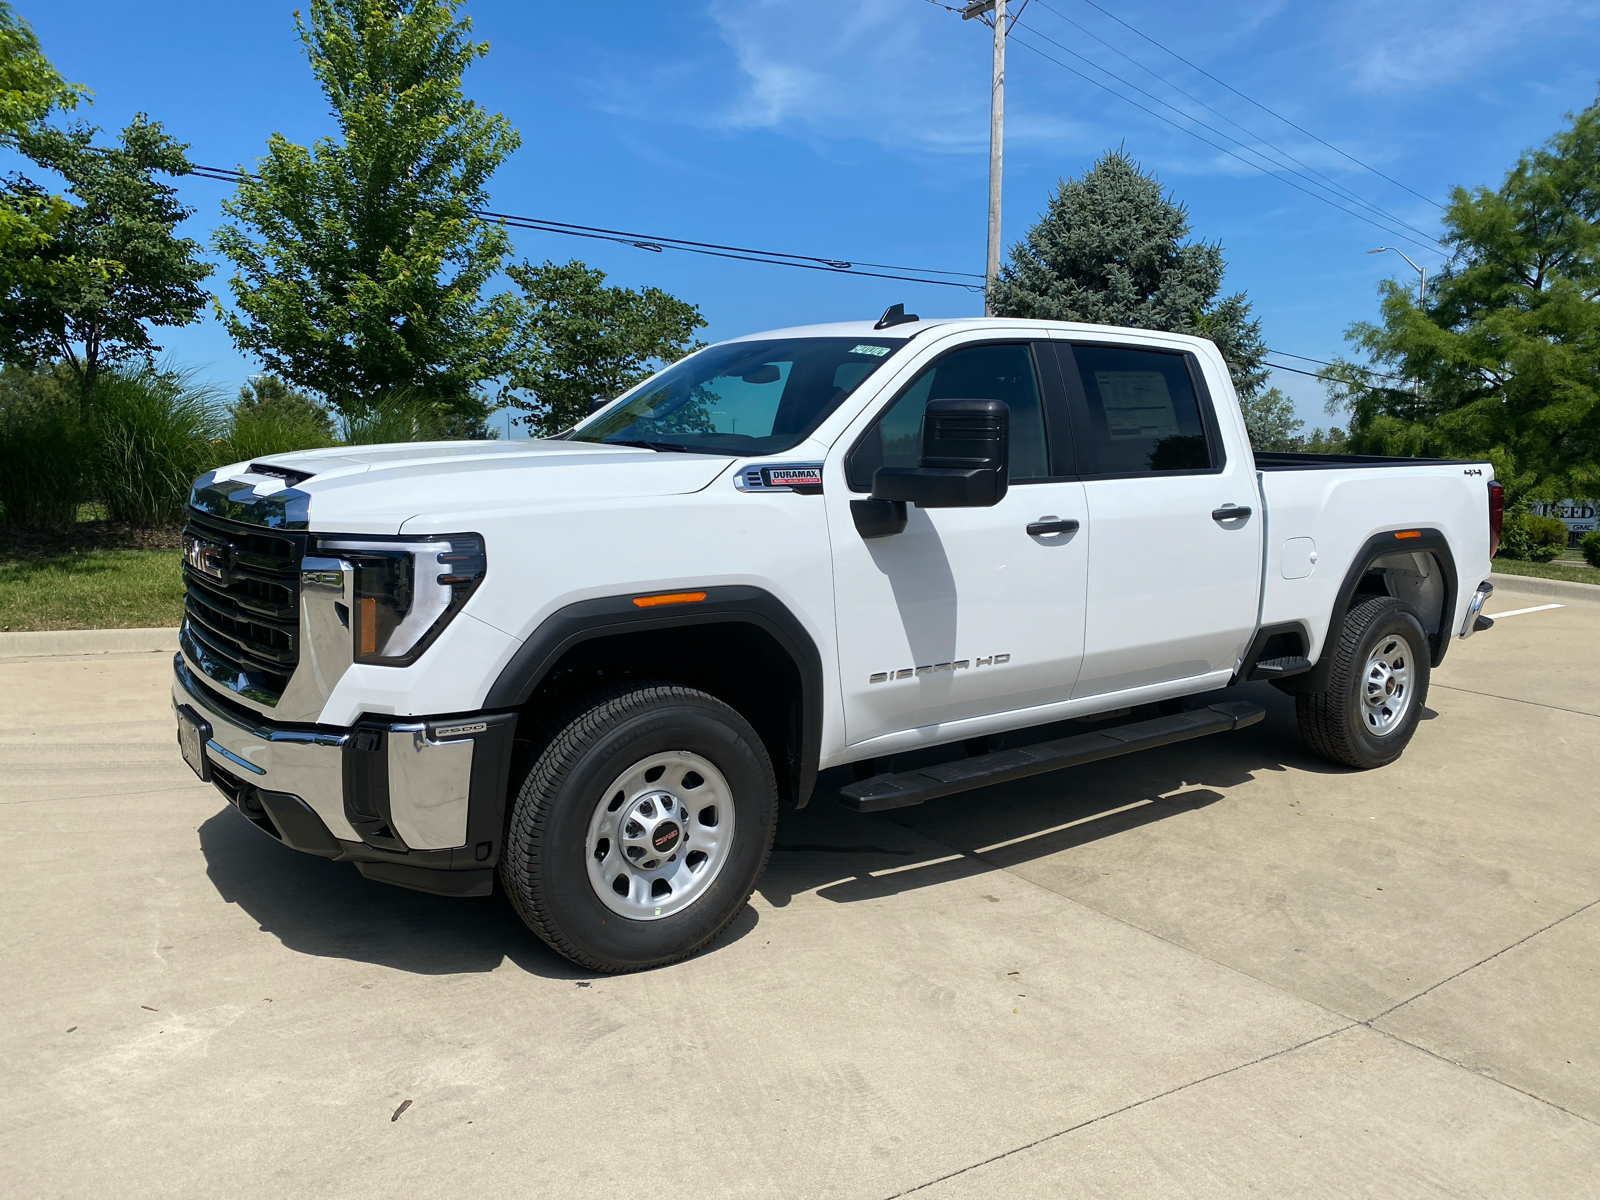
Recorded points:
(895,314)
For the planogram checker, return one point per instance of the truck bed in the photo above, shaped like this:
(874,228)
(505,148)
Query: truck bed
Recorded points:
(1290,461)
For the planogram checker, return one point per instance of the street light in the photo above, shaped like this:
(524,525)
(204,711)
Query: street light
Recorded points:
(1422,288)
(1422,295)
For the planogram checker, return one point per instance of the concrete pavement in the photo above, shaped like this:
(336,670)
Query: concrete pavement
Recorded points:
(1217,969)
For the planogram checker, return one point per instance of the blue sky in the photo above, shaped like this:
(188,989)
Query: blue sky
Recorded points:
(860,130)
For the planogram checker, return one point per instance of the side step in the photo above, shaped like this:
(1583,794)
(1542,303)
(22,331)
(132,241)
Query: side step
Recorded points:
(928,783)
(1280,668)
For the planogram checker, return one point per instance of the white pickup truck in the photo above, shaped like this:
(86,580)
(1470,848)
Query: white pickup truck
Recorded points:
(593,666)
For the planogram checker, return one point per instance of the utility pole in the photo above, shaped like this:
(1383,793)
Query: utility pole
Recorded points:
(997,138)
(1422,294)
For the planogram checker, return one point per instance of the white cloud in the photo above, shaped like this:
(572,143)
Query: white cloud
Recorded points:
(1399,46)
(882,70)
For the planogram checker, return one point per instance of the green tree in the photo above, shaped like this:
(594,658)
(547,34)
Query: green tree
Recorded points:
(1505,347)
(1110,250)
(1270,418)
(113,266)
(359,263)
(30,90)
(584,341)
(268,397)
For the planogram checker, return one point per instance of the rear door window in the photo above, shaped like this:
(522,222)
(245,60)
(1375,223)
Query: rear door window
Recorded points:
(1136,412)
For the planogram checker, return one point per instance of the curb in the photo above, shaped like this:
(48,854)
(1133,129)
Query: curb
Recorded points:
(48,642)
(1560,589)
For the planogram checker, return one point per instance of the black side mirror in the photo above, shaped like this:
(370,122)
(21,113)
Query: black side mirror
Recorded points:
(965,462)
(596,405)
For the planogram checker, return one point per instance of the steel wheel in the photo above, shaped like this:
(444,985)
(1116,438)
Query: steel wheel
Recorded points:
(1386,684)
(660,835)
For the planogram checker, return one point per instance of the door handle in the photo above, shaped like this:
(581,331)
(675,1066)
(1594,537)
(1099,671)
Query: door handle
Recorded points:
(1047,525)
(1230,512)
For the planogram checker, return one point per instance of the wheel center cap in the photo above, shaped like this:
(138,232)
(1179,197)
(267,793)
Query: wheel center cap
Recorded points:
(651,831)
(665,837)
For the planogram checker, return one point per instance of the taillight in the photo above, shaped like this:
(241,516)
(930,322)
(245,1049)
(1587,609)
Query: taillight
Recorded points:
(1497,515)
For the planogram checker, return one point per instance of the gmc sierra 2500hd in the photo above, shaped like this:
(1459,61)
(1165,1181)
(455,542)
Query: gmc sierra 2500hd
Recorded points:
(592,666)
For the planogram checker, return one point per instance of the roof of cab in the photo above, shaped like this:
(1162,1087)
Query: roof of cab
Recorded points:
(869,330)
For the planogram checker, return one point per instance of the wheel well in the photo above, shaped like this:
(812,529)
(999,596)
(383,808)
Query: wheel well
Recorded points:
(1415,566)
(739,663)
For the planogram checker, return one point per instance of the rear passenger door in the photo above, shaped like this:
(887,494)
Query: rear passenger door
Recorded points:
(1173,582)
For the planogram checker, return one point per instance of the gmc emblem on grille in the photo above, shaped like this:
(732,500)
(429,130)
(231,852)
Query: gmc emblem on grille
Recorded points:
(206,557)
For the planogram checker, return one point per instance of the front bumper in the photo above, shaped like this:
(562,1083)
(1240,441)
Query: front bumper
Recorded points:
(419,802)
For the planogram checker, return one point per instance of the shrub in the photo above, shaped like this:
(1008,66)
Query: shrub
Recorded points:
(257,431)
(1548,537)
(1590,545)
(1531,538)
(44,450)
(397,417)
(156,430)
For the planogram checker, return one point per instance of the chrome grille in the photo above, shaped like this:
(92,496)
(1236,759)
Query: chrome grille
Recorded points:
(242,623)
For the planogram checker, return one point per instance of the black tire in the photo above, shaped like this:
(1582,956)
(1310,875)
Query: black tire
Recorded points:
(544,869)
(1336,723)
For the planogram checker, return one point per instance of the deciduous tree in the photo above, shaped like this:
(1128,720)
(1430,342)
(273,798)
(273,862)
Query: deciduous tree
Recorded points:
(360,267)
(113,266)
(1506,344)
(584,341)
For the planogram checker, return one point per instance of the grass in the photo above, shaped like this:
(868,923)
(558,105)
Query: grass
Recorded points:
(1572,572)
(91,589)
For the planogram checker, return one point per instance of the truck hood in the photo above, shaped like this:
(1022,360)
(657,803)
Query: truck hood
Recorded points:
(376,489)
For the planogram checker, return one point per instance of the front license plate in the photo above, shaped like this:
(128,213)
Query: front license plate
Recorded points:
(193,734)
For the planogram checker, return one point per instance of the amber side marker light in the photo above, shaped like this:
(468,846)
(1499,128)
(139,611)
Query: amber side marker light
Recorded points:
(669,598)
(1407,533)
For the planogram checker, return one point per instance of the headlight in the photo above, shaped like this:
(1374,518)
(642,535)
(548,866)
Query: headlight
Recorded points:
(406,590)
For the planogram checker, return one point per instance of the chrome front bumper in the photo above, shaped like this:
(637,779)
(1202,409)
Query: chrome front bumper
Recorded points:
(428,794)
(304,763)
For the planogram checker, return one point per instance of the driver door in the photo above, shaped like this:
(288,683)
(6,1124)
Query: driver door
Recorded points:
(964,613)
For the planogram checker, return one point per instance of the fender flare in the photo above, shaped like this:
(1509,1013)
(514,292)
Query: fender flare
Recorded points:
(1415,540)
(608,616)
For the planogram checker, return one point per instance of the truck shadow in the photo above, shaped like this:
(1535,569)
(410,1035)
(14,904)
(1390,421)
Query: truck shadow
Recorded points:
(326,909)
(846,857)
(322,908)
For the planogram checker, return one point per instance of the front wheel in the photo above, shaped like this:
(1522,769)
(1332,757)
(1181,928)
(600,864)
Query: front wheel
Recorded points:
(639,832)
(1376,689)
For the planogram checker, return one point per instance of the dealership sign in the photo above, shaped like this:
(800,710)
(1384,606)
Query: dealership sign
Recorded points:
(1577,515)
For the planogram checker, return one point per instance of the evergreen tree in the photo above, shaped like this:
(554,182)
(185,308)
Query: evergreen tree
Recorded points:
(1111,250)
(1505,348)
(360,264)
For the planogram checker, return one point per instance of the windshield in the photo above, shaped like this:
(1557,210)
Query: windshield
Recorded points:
(755,397)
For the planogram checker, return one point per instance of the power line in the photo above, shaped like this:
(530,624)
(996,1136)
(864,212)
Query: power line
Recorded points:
(1339,188)
(1258,104)
(1288,182)
(1248,149)
(656,244)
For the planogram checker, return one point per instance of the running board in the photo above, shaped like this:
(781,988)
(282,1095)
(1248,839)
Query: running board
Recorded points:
(928,783)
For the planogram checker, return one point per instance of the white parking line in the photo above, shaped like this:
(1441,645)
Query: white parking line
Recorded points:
(1517,612)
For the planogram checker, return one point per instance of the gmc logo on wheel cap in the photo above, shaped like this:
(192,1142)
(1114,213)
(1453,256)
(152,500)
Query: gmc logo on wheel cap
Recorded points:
(665,837)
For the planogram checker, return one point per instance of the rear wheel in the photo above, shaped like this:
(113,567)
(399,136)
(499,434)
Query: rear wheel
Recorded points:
(1376,689)
(638,834)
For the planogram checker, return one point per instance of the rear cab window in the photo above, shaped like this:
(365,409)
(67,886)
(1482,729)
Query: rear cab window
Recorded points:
(1138,411)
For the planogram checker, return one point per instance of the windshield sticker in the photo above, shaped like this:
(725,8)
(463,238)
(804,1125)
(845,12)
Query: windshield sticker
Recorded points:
(875,351)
